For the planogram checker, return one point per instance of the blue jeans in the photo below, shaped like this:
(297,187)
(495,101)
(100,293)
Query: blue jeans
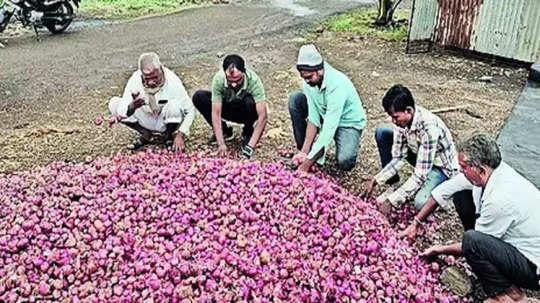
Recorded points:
(347,138)
(385,138)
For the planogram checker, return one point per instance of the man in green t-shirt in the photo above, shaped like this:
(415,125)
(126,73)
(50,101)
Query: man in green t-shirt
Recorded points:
(238,96)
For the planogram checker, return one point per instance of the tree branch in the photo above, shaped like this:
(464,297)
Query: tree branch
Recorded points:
(393,9)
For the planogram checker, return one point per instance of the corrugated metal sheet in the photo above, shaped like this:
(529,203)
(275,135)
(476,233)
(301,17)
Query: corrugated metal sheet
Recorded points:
(509,29)
(504,28)
(456,22)
(424,19)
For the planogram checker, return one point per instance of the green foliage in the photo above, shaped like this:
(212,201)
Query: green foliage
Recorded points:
(361,22)
(132,8)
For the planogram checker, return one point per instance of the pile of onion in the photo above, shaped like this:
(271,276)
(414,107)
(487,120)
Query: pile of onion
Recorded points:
(160,227)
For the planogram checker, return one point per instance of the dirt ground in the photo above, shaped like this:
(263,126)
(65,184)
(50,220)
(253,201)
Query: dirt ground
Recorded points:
(438,81)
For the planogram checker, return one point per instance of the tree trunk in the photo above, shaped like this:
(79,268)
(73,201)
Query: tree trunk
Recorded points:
(386,11)
(384,17)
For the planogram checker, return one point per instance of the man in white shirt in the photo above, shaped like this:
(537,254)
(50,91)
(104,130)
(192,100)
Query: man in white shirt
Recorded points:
(500,211)
(156,104)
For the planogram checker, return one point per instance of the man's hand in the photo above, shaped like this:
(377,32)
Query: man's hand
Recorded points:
(299,158)
(222,150)
(247,151)
(305,166)
(178,144)
(385,207)
(137,101)
(410,232)
(369,187)
(432,251)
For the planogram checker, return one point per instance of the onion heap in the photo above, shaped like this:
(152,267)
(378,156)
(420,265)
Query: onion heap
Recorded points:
(163,227)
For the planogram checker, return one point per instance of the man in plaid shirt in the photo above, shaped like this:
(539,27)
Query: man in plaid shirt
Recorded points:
(418,137)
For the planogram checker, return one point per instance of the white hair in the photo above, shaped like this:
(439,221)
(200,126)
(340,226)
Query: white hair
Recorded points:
(149,61)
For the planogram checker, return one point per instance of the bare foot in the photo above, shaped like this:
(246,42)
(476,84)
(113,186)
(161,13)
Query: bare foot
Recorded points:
(516,294)
(502,298)
(511,295)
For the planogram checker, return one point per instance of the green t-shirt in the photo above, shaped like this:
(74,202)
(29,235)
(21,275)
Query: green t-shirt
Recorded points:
(252,85)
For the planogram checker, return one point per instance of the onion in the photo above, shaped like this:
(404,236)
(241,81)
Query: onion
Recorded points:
(158,226)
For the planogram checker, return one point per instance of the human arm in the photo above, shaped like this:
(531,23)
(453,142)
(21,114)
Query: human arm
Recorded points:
(262,118)
(399,151)
(218,85)
(216,126)
(451,249)
(187,108)
(133,96)
(331,118)
(440,196)
(178,143)
(135,103)
(411,231)
(311,132)
(177,137)
(428,140)
(308,163)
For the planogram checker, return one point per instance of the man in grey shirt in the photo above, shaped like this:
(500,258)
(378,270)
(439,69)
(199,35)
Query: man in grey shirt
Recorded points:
(500,211)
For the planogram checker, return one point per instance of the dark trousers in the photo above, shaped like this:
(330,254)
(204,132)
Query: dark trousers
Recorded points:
(347,139)
(243,112)
(497,264)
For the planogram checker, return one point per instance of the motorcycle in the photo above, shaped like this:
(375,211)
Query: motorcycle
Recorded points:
(55,15)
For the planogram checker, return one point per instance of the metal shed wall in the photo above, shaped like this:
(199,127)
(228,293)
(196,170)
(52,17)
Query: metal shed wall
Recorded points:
(425,19)
(509,29)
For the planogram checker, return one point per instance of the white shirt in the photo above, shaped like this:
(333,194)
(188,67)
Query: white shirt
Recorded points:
(509,208)
(178,109)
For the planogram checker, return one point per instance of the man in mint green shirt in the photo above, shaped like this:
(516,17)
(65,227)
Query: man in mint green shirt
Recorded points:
(329,106)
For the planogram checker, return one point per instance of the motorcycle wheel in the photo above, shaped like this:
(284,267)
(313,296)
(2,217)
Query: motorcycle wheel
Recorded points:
(64,9)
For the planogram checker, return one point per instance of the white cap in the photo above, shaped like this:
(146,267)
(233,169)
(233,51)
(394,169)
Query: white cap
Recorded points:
(309,58)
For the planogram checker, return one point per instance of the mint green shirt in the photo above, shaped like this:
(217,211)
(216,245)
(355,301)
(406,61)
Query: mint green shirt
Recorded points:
(252,85)
(335,104)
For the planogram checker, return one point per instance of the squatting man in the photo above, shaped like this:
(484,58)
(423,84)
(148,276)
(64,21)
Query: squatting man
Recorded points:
(155,104)
(329,106)
(238,96)
(418,137)
(500,212)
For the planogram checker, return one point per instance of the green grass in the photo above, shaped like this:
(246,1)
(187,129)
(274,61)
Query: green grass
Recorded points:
(117,9)
(361,22)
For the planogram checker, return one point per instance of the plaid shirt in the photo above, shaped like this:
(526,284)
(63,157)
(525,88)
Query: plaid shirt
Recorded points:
(429,138)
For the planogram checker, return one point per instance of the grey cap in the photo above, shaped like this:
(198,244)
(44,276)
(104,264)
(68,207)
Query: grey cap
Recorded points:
(309,58)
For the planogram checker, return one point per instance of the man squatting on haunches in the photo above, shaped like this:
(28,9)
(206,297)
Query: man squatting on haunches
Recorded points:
(418,137)
(238,96)
(155,103)
(500,212)
(332,107)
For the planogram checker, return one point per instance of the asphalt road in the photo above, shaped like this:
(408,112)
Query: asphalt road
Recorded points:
(34,75)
